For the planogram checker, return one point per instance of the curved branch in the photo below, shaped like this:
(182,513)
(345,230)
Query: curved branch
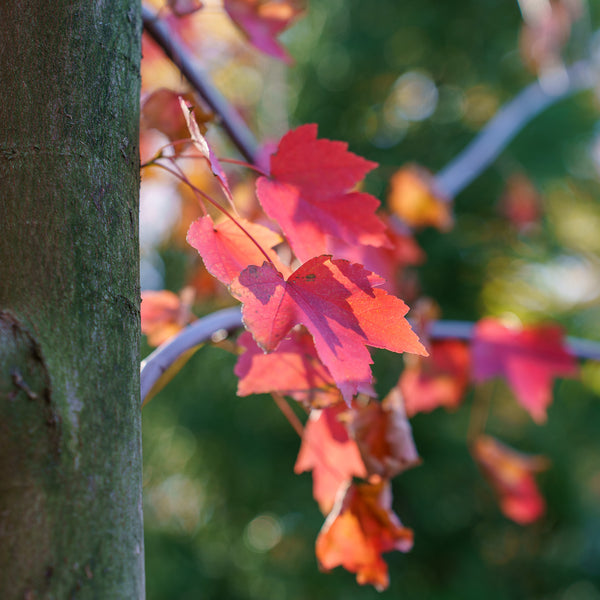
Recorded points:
(230,319)
(200,331)
(233,124)
(504,126)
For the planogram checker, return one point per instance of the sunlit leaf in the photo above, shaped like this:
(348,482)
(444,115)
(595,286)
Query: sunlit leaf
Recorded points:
(330,454)
(340,305)
(359,529)
(310,194)
(529,358)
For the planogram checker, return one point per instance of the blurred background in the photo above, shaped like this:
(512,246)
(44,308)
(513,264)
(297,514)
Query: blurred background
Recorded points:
(401,82)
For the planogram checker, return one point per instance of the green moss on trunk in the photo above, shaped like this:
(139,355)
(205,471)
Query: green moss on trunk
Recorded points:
(70,455)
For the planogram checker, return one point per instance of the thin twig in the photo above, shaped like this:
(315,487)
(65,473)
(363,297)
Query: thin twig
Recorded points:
(233,124)
(504,126)
(480,409)
(288,413)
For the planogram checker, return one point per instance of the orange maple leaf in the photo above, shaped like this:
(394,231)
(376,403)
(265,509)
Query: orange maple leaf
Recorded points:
(359,529)
(384,436)
(164,313)
(413,198)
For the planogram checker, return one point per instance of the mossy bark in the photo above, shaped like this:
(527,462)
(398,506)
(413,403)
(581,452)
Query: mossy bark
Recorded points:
(70,453)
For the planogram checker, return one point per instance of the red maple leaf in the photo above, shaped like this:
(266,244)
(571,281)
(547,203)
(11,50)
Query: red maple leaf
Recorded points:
(440,379)
(294,369)
(262,21)
(529,358)
(329,452)
(309,194)
(338,303)
(511,474)
(384,436)
(226,250)
(359,529)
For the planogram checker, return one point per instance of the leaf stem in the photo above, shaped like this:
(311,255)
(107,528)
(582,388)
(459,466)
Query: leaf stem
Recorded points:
(182,177)
(288,413)
(241,163)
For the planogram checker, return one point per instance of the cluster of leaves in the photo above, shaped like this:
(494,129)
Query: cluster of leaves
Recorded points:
(308,329)
(318,271)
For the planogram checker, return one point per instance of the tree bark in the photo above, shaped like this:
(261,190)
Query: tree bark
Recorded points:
(70,452)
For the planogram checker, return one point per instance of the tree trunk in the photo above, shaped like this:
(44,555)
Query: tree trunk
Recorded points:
(70,453)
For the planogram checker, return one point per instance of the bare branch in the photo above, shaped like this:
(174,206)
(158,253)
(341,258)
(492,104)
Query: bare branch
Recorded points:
(200,331)
(463,330)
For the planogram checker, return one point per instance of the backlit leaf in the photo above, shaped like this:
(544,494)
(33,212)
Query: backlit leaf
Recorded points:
(202,146)
(293,369)
(384,436)
(330,454)
(359,529)
(440,379)
(340,305)
(162,111)
(164,313)
(528,357)
(413,198)
(226,250)
(263,20)
(310,194)
(511,474)
(182,8)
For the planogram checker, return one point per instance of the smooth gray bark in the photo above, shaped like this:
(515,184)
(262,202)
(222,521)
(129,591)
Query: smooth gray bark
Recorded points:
(70,451)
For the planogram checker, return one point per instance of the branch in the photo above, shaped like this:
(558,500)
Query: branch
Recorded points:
(504,126)
(463,330)
(200,331)
(231,121)
(230,319)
